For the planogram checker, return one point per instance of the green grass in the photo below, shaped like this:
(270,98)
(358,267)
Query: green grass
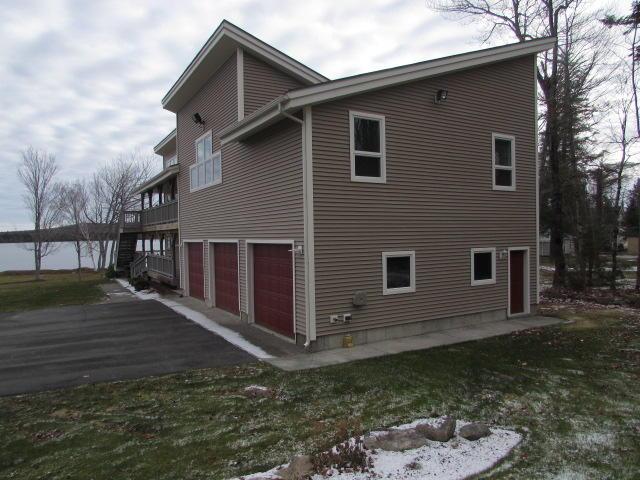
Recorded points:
(20,291)
(572,391)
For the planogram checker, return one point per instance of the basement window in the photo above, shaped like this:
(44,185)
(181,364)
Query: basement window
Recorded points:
(368,162)
(504,161)
(398,272)
(208,167)
(483,266)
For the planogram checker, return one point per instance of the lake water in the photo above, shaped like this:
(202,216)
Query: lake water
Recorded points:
(13,256)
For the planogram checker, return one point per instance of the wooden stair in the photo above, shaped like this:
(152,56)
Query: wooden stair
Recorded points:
(126,252)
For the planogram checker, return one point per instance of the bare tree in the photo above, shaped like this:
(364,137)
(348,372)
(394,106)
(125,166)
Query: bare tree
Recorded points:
(72,203)
(37,173)
(111,192)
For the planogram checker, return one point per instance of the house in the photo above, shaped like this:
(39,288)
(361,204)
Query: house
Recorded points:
(380,205)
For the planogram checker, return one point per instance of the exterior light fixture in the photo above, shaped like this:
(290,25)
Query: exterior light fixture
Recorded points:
(197,119)
(441,96)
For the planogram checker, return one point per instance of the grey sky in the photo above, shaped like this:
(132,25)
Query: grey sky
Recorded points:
(84,79)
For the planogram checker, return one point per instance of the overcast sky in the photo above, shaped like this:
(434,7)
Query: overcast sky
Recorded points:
(84,79)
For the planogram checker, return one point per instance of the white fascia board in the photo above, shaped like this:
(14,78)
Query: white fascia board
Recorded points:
(336,89)
(385,78)
(165,141)
(251,44)
(266,117)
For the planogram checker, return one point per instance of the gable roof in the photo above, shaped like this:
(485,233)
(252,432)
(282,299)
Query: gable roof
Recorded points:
(357,84)
(169,140)
(222,43)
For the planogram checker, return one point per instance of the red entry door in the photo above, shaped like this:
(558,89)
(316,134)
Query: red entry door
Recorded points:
(196,270)
(273,287)
(225,257)
(516,269)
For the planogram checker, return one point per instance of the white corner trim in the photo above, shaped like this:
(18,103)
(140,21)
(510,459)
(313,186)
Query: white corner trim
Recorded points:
(488,281)
(382,155)
(537,166)
(512,168)
(240,75)
(412,274)
(309,241)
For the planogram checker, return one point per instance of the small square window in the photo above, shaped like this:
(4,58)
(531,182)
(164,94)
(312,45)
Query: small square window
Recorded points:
(504,162)
(483,266)
(367,147)
(398,272)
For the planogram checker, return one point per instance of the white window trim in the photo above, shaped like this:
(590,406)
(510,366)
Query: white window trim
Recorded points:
(512,168)
(212,157)
(406,253)
(382,155)
(488,281)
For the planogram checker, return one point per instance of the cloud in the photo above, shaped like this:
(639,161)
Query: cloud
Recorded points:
(84,79)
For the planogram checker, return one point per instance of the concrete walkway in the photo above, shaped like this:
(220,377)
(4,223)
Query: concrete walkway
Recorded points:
(389,347)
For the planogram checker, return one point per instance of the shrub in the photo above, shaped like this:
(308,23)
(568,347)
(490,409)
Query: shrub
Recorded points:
(111,271)
(345,457)
(141,282)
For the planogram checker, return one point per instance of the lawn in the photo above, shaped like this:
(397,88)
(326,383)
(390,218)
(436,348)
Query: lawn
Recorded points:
(20,290)
(572,390)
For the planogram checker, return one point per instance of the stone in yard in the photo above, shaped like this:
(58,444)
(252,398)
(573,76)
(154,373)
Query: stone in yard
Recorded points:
(299,468)
(443,432)
(395,440)
(474,431)
(254,391)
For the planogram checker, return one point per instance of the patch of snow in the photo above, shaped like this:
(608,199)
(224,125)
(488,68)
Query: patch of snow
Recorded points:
(456,459)
(229,335)
(257,387)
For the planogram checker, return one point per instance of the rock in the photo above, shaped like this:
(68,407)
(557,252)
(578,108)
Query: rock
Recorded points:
(443,432)
(254,391)
(395,440)
(474,431)
(299,468)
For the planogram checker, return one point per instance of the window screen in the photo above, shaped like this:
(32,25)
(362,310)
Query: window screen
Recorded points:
(398,272)
(482,266)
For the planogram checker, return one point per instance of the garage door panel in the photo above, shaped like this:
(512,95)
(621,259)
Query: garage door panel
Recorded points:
(195,254)
(225,257)
(273,287)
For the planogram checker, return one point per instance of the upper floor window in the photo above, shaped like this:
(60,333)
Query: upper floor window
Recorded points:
(368,162)
(504,162)
(208,167)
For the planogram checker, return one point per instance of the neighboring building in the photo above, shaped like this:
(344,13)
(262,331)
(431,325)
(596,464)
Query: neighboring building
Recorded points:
(381,205)
(568,246)
(149,237)
(632,245)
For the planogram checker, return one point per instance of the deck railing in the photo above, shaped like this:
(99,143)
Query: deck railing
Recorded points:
(165,213)
(152,262)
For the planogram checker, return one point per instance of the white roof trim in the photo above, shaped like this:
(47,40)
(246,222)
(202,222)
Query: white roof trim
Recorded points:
(167,173)
(163,143)
(344,87)
(252,44)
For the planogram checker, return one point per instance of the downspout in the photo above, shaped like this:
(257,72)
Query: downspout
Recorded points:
(307,195)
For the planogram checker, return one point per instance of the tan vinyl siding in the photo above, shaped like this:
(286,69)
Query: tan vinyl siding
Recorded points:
(260,196)
(263,83)
(438,199)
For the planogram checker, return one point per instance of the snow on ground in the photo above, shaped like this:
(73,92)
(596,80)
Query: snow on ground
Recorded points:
(454,460)
(229,335)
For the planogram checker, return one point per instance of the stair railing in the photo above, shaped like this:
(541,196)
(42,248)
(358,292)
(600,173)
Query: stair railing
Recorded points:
(139,266)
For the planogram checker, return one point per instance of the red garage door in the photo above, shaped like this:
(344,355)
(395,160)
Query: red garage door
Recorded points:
(273,287)
(196,274)
(225,256)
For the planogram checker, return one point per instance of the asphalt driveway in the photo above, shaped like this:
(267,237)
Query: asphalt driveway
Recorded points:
(68,346)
